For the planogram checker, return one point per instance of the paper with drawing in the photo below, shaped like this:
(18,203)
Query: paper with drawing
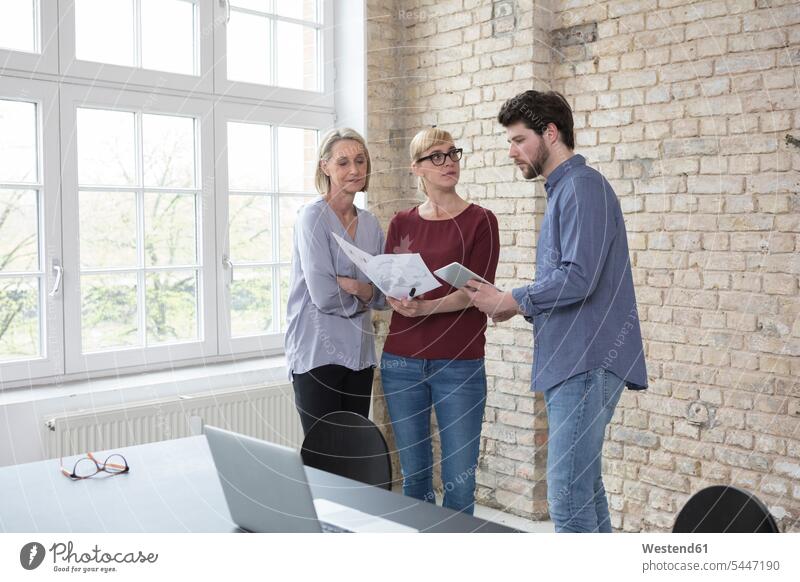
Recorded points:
(395,275)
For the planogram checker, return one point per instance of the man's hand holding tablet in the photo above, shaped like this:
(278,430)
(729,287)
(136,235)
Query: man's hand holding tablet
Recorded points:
(458,275)
(490,300)
(484,295)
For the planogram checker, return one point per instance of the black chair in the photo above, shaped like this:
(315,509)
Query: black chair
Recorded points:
(724,509)
(349,445)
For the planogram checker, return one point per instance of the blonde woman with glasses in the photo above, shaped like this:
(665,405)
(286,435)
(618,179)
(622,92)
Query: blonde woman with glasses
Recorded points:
(330,349)
(433,356)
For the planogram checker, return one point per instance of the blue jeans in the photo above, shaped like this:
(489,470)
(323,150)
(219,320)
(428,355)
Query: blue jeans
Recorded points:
(578,411)
(456,390)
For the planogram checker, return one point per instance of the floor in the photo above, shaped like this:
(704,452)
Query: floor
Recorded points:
(504,518)
(501,517)
(511,520)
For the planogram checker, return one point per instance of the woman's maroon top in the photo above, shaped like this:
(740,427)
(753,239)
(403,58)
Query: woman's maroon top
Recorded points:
(470,238)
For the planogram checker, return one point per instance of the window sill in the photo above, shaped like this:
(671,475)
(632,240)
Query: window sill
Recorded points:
(155,384)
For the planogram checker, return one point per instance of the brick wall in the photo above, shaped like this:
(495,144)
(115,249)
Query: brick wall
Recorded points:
(686,108)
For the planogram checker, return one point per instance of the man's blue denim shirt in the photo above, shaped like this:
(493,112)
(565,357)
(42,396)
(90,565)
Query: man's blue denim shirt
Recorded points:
(582,303)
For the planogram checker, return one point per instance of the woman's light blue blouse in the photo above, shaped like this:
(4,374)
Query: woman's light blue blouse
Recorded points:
(326,325)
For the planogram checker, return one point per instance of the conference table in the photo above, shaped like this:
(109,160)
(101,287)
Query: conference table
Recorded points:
(173,486)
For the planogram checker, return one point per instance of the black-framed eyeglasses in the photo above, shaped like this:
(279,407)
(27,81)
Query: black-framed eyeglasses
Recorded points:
(87,467)
(438,157)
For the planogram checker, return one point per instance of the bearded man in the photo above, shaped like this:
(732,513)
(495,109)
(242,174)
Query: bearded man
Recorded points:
(587,342)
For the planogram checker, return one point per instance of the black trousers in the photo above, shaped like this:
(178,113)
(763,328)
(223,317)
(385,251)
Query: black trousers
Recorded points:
(331,388)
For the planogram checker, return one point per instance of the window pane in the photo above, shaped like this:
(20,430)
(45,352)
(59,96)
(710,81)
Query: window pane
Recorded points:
(297,159)
(289,206)
(260,5)
(298,9)
(285,279)
(250,220)
(297,56)
(171,306)
(106,147)
(104,31)
(18,157)
(19,318)
(168,36)
(249,156)
(248,48)
(18,25)
(19,230)
(108,311)
(251,301)
(107,229)
(170,236)
(169,151)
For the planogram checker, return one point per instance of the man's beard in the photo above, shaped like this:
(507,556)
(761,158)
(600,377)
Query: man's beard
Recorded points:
(535,167)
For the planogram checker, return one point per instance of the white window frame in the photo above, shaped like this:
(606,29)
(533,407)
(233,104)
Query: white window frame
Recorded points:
(225,112)
(312,101)
(59,83)
(45,61)
(73,97)
(51,361)
(71,66)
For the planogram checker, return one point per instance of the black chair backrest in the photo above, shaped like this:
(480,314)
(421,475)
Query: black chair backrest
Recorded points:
(349,445)
(724,509)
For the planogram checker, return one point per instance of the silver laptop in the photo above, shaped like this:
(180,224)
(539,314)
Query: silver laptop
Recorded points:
(266,489)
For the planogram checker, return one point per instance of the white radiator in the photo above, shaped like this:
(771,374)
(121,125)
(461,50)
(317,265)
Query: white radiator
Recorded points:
(264,412)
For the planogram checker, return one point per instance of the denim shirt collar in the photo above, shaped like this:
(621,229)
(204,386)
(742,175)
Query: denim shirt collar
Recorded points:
(561,171)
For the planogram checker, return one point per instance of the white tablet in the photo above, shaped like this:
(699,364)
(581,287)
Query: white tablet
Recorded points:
(458,275)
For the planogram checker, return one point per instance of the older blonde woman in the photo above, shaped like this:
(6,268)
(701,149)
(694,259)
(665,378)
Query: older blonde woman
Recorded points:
(329,341)
(433,356)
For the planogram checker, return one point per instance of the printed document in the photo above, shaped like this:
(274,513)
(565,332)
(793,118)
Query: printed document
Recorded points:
(397,276)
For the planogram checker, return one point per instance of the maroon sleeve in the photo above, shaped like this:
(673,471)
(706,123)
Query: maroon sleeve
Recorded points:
(485,252)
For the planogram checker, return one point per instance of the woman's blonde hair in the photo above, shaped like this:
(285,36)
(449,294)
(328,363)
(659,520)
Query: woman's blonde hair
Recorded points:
(321,180)
(424,140)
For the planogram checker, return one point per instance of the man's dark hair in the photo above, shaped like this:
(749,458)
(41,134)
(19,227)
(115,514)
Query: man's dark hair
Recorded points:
(537,109)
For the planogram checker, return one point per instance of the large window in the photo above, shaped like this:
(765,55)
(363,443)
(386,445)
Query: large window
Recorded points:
(20,257)
(28,35)
(139,238)
(274,45)
(266,173)
(283,44)
(137,204)
(151,34)
(30,264)
(152,43)
(19,29)
(148,194)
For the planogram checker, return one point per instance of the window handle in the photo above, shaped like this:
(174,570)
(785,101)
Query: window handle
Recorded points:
(59,271)
(226,4)
(228,264)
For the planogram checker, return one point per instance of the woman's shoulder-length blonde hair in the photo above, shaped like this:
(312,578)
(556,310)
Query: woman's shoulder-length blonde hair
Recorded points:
(321,180)
(424,140)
